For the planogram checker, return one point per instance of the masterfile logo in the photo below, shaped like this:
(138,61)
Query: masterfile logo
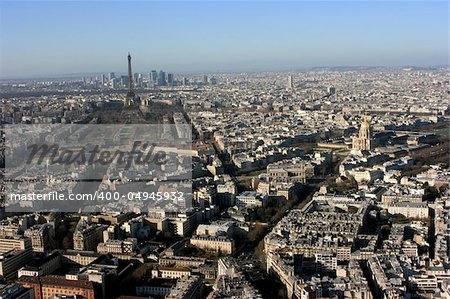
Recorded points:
(141,153)
(97,167)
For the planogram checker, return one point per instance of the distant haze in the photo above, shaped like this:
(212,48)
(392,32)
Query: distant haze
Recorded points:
(47,38)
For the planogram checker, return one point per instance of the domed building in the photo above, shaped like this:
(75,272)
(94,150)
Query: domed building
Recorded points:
(364,140)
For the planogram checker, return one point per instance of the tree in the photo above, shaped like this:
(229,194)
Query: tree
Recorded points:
(431,193)
(67,242)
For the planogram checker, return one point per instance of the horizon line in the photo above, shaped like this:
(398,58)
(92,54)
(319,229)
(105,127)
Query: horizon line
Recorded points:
(206,72)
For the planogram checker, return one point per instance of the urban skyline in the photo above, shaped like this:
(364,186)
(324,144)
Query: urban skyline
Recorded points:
(42,39)
(332,184)
(218,150)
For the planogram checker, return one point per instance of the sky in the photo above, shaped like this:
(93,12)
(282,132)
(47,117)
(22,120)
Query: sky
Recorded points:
(41,38)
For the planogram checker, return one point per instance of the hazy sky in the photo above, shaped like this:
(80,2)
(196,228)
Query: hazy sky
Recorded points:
(49,38)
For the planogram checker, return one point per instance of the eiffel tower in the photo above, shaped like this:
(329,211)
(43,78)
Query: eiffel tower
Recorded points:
(130,94)
(130,111)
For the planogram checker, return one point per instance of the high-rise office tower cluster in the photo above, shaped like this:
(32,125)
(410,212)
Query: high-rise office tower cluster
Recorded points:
(154,78)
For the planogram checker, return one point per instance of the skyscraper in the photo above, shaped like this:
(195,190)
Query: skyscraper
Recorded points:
(161,78)
(331,90)
(124,81)
(114,83)
(139,80)
(290,84)
(169,78)
(154,76)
